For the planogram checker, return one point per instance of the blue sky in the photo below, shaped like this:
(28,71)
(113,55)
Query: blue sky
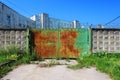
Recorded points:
(86,11)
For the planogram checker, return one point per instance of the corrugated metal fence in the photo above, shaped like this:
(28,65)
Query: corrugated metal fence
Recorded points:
(70,43)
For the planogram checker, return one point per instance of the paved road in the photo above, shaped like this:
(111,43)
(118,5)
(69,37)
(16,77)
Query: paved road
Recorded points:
(59,72)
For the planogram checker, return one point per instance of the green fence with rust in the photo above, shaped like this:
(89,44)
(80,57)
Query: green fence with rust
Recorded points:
(65,43)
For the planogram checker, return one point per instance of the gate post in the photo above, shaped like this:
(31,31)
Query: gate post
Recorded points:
(59,43)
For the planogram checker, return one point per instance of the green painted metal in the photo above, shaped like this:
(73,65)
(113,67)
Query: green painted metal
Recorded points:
(70,42)
(83,41)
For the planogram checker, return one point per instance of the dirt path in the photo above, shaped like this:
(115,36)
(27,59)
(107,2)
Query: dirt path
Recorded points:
(58,72)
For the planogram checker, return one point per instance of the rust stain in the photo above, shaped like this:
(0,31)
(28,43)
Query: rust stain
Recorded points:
(67,39)
(45,43)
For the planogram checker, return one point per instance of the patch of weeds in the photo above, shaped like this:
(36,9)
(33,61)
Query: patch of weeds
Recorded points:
(78,66)
(36,58)
(101,54)
(68,59)
(107,63)
(52,63)
(49,63)
(4,71)
(8,53)
(24,58)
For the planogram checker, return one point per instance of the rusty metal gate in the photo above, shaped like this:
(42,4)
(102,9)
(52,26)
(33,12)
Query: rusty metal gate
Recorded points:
(65,43)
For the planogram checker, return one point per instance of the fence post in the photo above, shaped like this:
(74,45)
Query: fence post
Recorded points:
(90,41)
(59,42)
(27,40)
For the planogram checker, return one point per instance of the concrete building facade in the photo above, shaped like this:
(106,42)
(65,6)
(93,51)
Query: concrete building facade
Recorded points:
(44,21)
(106,39)
(11,19)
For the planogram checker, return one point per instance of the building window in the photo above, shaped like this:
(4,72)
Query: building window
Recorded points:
(23,25)
(8,20)
(20,25)
(2,6)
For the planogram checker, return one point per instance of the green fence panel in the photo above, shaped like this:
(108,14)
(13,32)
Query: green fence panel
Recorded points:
(83,41)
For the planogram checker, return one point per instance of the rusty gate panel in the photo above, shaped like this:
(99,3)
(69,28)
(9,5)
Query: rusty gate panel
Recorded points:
(61,42)
(74,42)
(46,42)
(67,42)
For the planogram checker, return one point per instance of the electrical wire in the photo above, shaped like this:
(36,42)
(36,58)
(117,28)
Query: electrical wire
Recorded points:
(18,7)
(112,21)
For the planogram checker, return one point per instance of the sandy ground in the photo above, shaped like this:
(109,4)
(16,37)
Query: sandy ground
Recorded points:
(58,72)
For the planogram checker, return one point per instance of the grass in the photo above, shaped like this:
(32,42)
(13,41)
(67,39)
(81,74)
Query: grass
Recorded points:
(8,53)
(13,53)
(107,63)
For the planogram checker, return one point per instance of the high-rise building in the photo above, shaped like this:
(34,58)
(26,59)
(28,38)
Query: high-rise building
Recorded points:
(44,21)
(12,19)
(76,24)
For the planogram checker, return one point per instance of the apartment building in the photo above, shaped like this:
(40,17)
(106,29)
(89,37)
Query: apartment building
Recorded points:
(12,19)
(44,21)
